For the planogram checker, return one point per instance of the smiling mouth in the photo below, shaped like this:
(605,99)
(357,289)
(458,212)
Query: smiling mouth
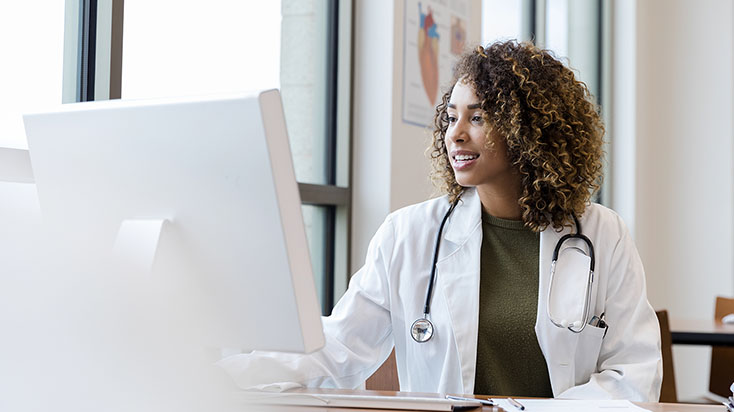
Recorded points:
(465,158)
(464,161)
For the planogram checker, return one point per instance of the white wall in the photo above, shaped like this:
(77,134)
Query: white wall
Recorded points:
(389,166)
(673,153)
(371,121)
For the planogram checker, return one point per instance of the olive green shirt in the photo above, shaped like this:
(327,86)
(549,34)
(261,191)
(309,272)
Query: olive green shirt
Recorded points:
(509,360)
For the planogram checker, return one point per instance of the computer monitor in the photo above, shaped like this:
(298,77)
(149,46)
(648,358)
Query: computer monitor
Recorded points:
(195,200)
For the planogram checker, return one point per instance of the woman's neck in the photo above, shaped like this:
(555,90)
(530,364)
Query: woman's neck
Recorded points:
(501,200)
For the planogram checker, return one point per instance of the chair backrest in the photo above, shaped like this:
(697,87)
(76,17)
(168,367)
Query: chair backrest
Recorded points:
(667,392)
(722,358)
(385,377)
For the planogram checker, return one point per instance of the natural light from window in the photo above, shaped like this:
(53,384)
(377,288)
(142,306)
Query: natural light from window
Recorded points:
(177,48)
(32,47)
(501,20)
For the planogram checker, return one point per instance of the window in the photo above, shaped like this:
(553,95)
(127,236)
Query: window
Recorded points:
(573,32)
(506,19)
(173,48)
(573,29)
(33,44)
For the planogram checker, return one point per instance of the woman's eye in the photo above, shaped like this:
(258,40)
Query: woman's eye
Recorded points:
(477,119)
(451,119)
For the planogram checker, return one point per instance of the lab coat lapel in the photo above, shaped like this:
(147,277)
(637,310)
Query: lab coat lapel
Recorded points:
(558,345)
(458,279)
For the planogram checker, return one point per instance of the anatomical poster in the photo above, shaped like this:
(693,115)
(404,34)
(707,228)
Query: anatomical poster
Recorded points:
(435,35)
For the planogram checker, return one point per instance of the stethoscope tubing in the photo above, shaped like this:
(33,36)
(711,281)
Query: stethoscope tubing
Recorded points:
(431,281)
(578,235)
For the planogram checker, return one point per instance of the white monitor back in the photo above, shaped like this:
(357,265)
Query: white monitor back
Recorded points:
(204,189)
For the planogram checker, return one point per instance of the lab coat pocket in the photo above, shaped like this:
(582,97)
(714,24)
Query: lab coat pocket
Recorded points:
(587,352)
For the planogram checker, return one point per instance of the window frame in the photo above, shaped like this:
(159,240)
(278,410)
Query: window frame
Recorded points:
(93,43)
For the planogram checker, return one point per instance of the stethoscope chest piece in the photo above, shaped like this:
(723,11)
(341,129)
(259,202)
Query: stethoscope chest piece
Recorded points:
(422,330)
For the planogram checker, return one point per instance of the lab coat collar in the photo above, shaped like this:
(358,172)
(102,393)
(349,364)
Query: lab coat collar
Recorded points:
(466,216)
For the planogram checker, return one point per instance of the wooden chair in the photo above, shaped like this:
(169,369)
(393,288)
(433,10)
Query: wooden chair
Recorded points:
(722,358)
(386,377)
(722,362)
(667,392)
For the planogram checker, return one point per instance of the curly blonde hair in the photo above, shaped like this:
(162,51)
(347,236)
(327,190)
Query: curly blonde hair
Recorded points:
(552,128)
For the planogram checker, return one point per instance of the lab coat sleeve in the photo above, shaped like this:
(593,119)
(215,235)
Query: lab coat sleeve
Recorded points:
(358,333)
(630,360)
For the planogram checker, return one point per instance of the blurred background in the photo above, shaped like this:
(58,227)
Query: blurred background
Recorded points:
(358,101)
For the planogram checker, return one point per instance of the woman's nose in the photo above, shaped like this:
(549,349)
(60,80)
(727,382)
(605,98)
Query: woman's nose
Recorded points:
(456,133)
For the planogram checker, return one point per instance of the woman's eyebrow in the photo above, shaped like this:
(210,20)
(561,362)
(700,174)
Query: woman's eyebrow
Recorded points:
(470,107)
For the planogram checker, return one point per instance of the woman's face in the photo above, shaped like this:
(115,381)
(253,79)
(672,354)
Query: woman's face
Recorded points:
(473,162)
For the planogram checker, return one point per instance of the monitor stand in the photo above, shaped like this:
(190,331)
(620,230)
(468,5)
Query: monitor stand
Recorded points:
(137,242)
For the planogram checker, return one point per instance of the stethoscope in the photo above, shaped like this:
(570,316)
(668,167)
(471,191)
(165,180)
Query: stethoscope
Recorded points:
(422,329)
(578,325)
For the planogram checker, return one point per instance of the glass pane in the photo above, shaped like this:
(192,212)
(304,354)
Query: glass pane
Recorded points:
(572,32)
(314,218)
(556,27)
(303,79)
(501,20)
(175,48)
(32,46)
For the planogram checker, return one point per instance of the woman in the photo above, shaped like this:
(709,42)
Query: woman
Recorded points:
(517,149)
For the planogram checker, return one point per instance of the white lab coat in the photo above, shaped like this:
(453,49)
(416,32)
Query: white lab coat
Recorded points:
(387,294)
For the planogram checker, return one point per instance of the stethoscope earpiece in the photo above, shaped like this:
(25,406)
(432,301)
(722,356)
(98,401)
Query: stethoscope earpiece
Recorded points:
(573,327)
